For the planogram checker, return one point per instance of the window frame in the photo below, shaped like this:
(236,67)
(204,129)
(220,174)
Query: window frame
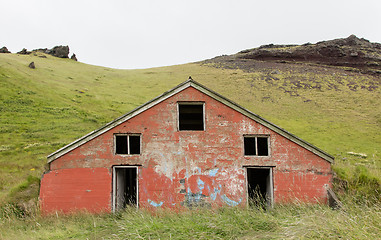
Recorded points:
(256,144)
(191,103)
(128,143)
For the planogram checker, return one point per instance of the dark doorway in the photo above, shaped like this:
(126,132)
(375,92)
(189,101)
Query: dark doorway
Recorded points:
(259,186)
(125,187)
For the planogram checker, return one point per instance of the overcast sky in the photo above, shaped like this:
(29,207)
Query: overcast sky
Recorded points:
(142,34)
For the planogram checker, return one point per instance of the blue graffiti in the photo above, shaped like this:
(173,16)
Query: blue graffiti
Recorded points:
(194,198)
(154,203)
(213,196)
(186,169)
(200,184)
(213,172)
(230,202)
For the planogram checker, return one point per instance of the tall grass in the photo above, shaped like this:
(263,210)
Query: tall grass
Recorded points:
(294,221)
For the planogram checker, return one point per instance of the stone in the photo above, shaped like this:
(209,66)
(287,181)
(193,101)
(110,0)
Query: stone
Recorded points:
(24,52)
(57,51)
(31,65)
(331,51)
(42,50)
(354,54)
(73,57)
(4,50)
(352,40)
(60,51)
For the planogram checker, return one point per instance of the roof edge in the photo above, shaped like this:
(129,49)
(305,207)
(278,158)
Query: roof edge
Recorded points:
(190,82)
(264,122)
(88,137)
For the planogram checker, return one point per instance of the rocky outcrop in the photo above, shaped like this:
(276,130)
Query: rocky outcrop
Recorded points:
(351,52)
(4,50)
(57,51)
(24,52)
(60,51)
(74,57)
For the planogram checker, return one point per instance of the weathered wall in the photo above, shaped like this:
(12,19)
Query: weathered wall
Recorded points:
(76,189)
(187,167)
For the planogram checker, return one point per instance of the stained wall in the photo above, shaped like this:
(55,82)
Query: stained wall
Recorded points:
(179,169)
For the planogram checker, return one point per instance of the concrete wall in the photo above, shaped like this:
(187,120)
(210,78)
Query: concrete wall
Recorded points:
(178,168)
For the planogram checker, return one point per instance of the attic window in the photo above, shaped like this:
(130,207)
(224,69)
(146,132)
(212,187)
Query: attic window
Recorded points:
(191,116)
(256,145)
(127,144)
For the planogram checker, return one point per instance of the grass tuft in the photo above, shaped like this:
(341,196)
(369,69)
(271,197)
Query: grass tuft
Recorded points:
(293,221)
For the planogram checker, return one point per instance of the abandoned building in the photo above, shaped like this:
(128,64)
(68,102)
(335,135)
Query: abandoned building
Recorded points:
(188,147)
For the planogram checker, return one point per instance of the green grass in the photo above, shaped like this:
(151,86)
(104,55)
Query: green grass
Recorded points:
(45,108)
(294,221)
(48,107)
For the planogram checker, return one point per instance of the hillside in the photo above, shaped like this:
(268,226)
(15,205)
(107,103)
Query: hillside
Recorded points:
(355,54)
(335,108)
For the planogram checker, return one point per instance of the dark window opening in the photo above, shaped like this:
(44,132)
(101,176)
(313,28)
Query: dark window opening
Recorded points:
(121,145)
(256,146)
(191,117)
(125,185)
(259,187)
(127,144)
(262,146)
(134,144)
(249,143)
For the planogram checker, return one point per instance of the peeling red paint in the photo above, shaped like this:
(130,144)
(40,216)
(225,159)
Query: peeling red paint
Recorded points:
(181,168)
(73,189)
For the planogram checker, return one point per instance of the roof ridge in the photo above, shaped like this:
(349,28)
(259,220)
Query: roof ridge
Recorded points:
(188,83)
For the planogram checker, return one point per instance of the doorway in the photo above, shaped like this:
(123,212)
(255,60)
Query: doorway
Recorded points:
(125,187)
(260,186)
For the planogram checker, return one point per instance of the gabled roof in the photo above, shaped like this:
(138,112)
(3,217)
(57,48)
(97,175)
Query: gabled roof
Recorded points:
(175,90)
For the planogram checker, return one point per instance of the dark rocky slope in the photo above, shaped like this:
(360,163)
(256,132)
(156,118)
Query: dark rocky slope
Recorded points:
(358,54)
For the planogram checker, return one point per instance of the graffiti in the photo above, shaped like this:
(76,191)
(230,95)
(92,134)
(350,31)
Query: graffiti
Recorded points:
(154,203)
(201,184)
(230,202)
(213,195)
(213,172)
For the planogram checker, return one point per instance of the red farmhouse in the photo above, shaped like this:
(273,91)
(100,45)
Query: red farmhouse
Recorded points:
(188,147)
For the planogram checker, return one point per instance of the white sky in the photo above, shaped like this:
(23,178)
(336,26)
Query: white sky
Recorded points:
(141,34)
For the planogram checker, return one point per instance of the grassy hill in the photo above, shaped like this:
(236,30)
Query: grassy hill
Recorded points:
(48,107)
(336,108)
